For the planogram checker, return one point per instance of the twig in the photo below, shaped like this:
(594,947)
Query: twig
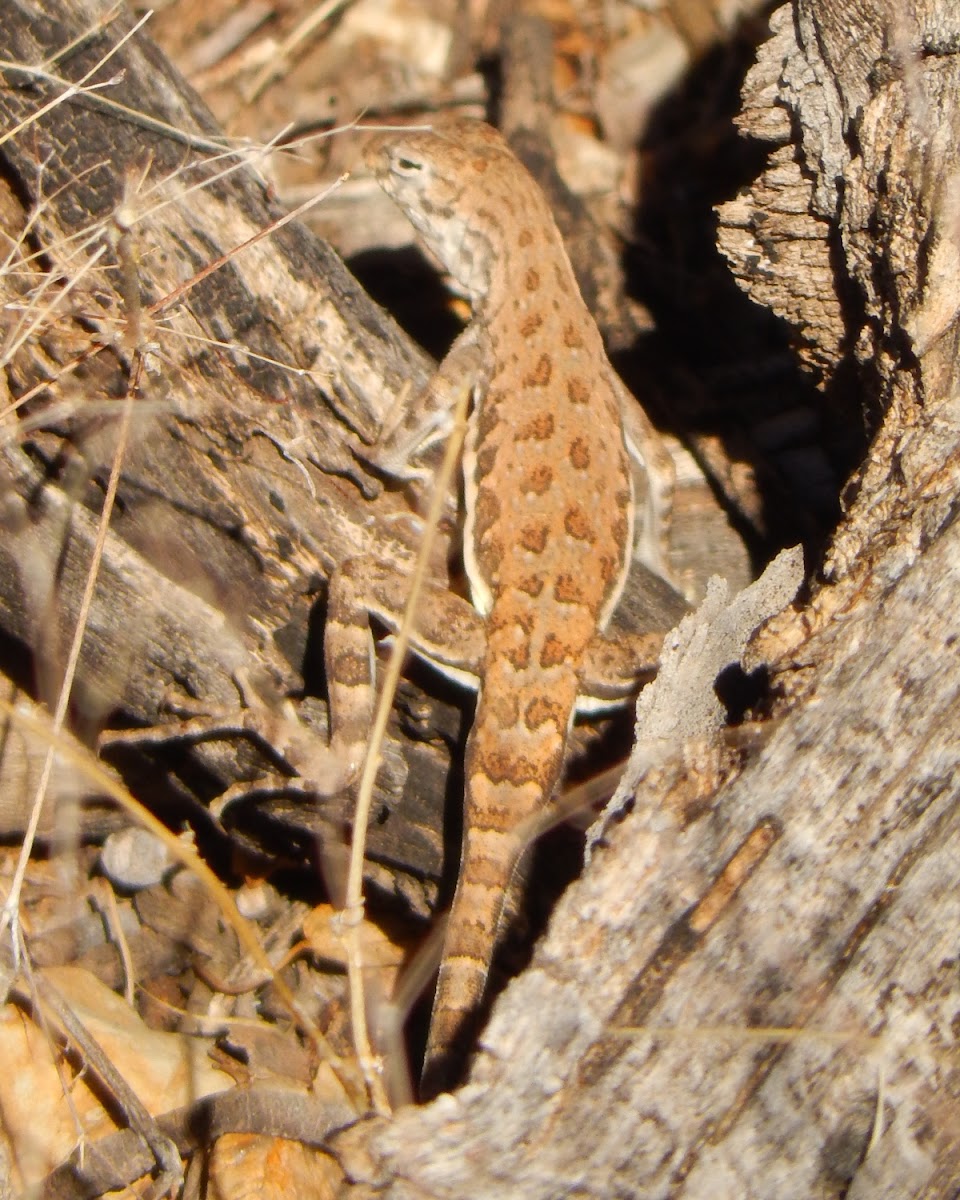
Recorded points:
(10,915)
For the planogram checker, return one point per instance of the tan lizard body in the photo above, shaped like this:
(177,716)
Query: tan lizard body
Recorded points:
(550,516)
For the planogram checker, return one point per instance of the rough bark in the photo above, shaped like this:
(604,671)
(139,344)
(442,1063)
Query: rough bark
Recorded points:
(813,900)
(815,894)
(234,504)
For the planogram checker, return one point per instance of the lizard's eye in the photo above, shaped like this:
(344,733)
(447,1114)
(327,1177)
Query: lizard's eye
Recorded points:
(406,166)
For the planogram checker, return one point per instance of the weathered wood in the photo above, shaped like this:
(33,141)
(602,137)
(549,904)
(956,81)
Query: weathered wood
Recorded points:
(871,91)
(621,1063)
(233,504)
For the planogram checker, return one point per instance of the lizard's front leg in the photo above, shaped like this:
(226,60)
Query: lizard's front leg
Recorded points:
(425,420)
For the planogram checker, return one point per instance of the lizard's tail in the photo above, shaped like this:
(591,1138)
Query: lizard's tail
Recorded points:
(473,928)
(513,763)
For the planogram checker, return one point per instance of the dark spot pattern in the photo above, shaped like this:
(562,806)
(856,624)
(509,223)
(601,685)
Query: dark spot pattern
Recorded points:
(568,589)
(524,621)
(530,324)
(351,669)
(486,457)
(487,511)
(579,454)
(488,418)
(539,480)
(533,537)
(577,390)
(541,711)
(501,767)
(608,568)
(553,652)
(541,374)
(577,524)
(571,337)
(537,429)
(531,585)
(518,656)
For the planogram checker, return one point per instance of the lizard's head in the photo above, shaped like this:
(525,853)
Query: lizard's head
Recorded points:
(447,181)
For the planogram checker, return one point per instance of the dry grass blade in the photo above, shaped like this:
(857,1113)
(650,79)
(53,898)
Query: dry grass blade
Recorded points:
(352,914)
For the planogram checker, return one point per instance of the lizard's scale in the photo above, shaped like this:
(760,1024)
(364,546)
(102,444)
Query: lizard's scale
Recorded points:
(549,506)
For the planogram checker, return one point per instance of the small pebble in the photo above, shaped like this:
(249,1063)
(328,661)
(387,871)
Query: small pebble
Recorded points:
(134,859)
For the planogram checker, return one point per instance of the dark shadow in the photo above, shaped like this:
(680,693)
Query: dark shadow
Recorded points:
(718,364)
(413,292)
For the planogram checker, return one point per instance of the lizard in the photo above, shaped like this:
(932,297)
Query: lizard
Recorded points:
(552,510)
